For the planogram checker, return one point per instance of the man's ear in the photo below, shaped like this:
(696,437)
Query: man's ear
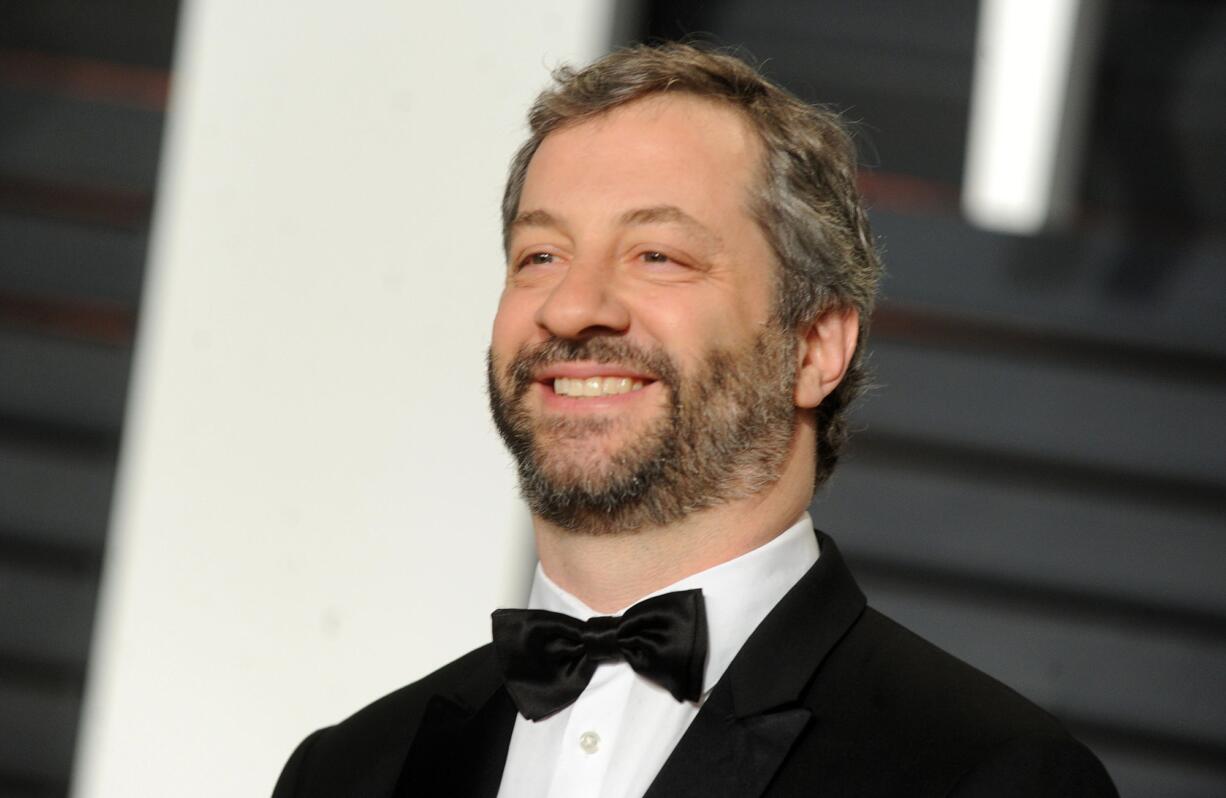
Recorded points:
(826,348)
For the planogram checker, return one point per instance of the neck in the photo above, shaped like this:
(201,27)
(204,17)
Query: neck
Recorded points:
(609,571)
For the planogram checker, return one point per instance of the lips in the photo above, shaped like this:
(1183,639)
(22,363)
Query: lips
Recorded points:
(591,380)
(572,373)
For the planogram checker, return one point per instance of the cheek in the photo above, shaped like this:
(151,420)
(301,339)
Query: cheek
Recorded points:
(709,322)
(513,323)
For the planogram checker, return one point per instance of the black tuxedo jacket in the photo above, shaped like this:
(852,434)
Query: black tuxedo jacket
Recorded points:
(827,698)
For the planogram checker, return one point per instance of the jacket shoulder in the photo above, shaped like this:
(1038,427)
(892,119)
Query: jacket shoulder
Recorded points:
(905,713)
(1027,766)
(910,675)
(363,754)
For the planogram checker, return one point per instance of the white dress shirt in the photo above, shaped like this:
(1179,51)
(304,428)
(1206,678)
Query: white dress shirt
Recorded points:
(613,741)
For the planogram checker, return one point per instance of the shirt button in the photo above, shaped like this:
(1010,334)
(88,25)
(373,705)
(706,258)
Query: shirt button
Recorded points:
(589,741)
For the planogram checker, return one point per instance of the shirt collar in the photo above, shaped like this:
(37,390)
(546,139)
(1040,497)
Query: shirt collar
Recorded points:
(737,594)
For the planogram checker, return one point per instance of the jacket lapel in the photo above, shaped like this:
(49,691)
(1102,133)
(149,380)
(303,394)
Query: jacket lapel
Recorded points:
(753,716)
(723,755)
(461,743)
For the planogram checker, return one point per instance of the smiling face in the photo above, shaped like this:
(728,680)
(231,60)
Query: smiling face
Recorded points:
(636,371)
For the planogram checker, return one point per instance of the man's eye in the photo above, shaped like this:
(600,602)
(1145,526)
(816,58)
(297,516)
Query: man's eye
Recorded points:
(655,257)
(537,259)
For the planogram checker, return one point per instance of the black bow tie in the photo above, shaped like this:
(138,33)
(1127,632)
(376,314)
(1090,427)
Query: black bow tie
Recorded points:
(548,658)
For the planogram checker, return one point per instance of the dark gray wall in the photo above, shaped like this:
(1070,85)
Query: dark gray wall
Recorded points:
(82,89)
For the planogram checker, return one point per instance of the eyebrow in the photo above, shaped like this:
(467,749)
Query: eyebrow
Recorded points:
(537,218)
(670,214)
(658,214)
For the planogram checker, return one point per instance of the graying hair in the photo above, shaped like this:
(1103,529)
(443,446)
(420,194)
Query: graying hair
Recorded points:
(806,202)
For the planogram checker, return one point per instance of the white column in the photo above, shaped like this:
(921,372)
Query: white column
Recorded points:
(313,507)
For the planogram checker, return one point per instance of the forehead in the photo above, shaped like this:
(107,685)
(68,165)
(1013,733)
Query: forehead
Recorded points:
(666,149)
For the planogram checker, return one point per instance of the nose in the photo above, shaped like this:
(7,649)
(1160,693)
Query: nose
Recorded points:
(583,303)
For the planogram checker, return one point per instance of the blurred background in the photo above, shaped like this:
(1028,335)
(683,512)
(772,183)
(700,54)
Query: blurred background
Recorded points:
(206,526)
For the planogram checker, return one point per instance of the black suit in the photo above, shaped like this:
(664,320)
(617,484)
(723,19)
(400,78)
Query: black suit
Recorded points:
(827,698)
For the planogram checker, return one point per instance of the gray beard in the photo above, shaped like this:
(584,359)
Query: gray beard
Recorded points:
(724,436)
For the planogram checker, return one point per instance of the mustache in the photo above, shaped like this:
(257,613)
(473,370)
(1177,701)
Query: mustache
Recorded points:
(531,359)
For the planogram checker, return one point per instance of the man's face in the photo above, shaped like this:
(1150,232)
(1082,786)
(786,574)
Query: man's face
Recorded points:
(635,368)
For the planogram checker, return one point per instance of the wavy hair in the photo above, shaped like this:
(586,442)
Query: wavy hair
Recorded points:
(806,201)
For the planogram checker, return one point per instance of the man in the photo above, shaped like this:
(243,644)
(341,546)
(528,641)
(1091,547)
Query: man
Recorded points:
(689,279)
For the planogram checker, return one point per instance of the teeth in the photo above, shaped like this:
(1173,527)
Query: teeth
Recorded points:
(595,386)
